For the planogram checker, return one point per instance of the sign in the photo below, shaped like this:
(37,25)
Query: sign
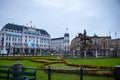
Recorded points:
(32,44)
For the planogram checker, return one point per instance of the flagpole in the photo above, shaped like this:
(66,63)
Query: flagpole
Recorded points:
(116,44)
(115,35)
(109,34)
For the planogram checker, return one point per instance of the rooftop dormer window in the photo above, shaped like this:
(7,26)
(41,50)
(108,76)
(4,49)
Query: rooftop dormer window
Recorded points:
(11,30)
(6,29)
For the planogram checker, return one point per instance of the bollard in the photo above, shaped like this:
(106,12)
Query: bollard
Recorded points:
(117,72)
(81,73)
(18,67)
(49,73)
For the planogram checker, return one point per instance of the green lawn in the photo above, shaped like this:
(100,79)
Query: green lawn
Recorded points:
(97,62)
(42,75)
(62,66)
(26,63)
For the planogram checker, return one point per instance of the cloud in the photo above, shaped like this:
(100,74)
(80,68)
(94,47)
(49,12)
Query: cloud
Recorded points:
(68,5)
(96,16)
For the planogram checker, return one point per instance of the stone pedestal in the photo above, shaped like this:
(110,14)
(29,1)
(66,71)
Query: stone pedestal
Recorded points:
(96,54)
(73,54)
(85,53)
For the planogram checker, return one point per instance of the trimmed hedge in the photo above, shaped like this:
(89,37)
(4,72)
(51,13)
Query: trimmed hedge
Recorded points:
(86,66)
(48,61)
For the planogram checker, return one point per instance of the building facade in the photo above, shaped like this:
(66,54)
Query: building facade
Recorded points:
(99,45)
(61,44)
(22,39)
(115,43)
(115,47)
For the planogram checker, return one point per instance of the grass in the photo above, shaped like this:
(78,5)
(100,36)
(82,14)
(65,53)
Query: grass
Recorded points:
(26,63)
(97,62)
(42,75)
(57,76)
(62,66)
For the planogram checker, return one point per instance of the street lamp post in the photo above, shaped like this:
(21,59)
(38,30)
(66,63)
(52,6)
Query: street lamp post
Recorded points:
(0,46)
(116,47)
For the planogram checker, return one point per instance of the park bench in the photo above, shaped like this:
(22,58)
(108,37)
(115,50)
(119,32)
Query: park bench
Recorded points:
(7,73)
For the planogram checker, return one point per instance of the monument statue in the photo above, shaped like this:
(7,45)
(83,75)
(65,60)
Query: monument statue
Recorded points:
(81,44)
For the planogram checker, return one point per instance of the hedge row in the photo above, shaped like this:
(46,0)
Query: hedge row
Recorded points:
(48,61)
(85,72)
(86,66)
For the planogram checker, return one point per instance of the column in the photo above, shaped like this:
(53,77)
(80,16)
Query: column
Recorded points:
(29,50)
(85,53)
(96,54)
(35,50)
(11,50)
(23,51)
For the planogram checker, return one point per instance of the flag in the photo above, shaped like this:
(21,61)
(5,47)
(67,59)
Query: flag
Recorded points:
(30,21)
(66,29)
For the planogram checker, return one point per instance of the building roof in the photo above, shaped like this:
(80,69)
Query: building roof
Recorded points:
(43,32)
(13,26)
(20,28)
(100,36)
(95,35)
(115,39)
(58,38)
(66,35)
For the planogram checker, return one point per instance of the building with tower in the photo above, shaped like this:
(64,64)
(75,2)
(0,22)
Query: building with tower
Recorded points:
(60,44)
(20,39)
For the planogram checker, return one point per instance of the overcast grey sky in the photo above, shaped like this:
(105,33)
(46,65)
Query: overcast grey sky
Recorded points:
(96,16)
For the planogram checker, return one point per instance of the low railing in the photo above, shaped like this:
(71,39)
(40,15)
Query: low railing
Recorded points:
(16,73)
(49,73)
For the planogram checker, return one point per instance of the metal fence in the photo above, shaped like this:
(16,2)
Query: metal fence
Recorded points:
(62,74)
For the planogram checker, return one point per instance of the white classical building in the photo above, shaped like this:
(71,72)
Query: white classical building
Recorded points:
(61,43)
(22,39)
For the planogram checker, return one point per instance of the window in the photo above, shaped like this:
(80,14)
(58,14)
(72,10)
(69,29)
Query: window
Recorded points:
(15,39)
(25,40)
(6,43)
(25,36)
(11,30)
(6,38)
(6,30)
(37,41)
(9,44)
(12,39)
(9,39)
(3,34)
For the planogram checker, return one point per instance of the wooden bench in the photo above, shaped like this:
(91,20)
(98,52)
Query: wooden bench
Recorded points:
(9,74)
